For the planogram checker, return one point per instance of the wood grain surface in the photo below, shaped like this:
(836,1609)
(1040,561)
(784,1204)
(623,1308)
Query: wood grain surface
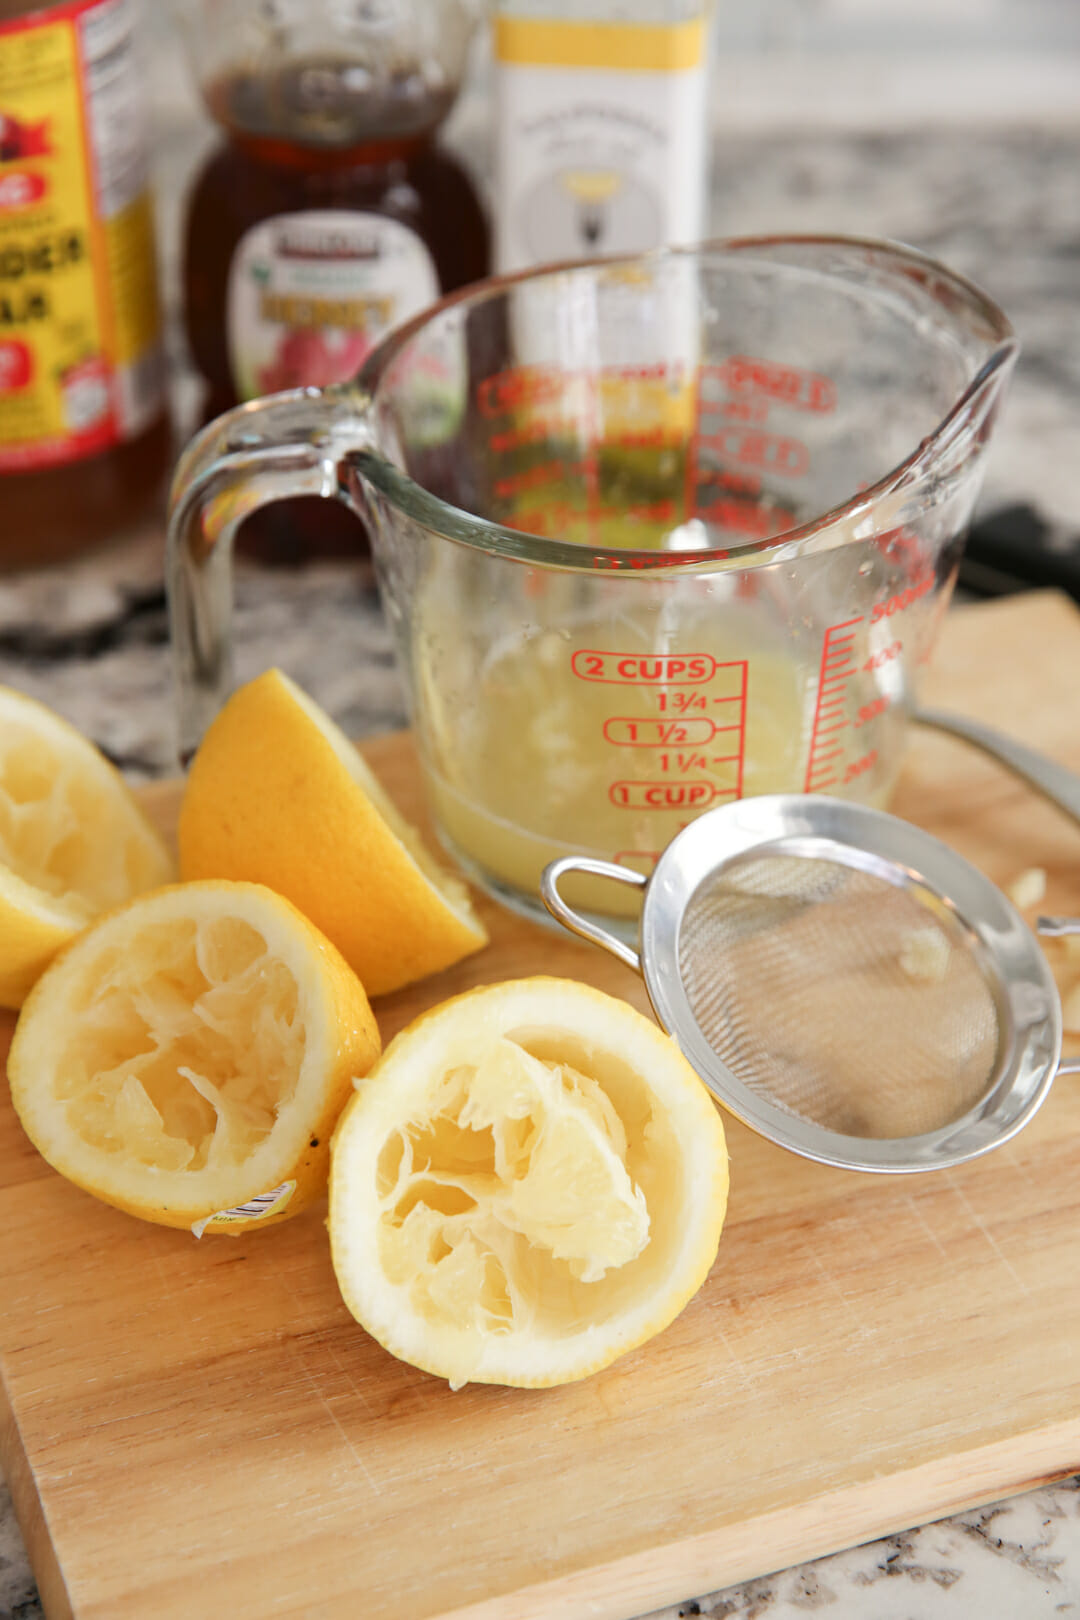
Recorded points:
(200,1429)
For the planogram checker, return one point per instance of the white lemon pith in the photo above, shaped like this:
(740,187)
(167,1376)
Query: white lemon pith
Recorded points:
(73,841)
(192,1052)
(530,1182)
(277,794)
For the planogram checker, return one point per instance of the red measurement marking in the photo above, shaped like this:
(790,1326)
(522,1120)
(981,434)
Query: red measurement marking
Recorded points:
(543,385)
(680,762)
(642,439)
(690,469)
(547,472)
(647,512)
(556,517)
(645,669)
(745,410)
(885,656)
(739,483)
(536,432)
(627,857)
(666,795)
(521,385)
(549,520)
(785,385)
(903,599)
(681,702)
(649,564)
(742,730)
(776,453)
(630,731)
(743,517)
(858,766)
(838,665)
(592,457)
(870,711)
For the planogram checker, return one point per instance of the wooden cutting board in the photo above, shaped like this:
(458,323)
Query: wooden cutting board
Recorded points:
(199,1429)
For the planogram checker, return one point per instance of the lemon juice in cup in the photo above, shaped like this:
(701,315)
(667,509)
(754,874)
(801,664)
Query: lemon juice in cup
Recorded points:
(608,726)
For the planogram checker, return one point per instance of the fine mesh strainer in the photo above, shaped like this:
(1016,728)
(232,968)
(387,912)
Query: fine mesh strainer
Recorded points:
(844,983)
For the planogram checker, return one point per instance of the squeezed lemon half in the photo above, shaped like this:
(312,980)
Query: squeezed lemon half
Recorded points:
(531,1182)
(73,841)
(187,1057)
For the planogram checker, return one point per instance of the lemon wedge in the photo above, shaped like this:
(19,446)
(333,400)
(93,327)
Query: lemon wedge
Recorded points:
(278,795)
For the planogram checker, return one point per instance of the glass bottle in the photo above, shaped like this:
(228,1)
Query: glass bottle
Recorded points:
(600,127)
(84,436)
(329,214)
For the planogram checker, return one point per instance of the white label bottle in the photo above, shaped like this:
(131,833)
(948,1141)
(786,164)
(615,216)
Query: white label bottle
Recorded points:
(600,127)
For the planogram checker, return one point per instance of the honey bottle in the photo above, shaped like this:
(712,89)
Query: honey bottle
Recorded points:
(329,214)
(84,439)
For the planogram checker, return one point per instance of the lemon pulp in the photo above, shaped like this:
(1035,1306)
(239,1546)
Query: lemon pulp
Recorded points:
(531,1182)
(191,1052)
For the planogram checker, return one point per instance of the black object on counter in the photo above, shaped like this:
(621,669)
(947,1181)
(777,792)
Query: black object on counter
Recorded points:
(1015,549)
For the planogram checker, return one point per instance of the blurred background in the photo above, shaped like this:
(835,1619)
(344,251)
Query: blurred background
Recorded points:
(953,125)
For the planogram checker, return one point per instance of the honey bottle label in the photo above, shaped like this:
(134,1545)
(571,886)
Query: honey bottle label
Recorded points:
(80,352)
(311,293)
(600,143)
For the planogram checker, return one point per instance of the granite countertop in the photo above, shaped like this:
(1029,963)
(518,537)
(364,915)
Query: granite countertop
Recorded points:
(992,190)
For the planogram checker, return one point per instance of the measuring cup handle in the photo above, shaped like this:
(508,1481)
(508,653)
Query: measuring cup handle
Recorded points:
(549,890)
(286,444)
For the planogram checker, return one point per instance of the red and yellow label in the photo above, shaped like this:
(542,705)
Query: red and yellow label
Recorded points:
(80,365)
(630,47)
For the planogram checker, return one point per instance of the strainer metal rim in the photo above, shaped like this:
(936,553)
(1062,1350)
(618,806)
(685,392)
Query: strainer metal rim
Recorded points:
(1025,994)
(1029,1008)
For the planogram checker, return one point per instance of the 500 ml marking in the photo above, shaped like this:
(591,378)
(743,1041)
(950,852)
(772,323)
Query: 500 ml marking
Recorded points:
(903,599)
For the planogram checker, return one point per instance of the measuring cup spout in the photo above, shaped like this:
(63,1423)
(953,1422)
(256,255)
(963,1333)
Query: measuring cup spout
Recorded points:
(968,425)
(287,444)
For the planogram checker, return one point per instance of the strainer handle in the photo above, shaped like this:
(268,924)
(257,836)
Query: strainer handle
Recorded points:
(1060,785)
(1059,928)
(549,890)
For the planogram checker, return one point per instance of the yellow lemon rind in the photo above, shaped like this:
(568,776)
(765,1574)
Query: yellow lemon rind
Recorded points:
(400,1075)
(350,1044)
(277,794)
(35,924)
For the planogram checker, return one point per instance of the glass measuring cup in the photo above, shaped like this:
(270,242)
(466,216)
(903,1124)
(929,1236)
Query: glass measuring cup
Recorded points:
(652,534)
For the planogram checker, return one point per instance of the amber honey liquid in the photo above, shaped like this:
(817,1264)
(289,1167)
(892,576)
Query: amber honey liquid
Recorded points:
(312,140)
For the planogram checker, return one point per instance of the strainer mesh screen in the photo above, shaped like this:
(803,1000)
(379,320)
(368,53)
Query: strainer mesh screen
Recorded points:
(857,1005)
